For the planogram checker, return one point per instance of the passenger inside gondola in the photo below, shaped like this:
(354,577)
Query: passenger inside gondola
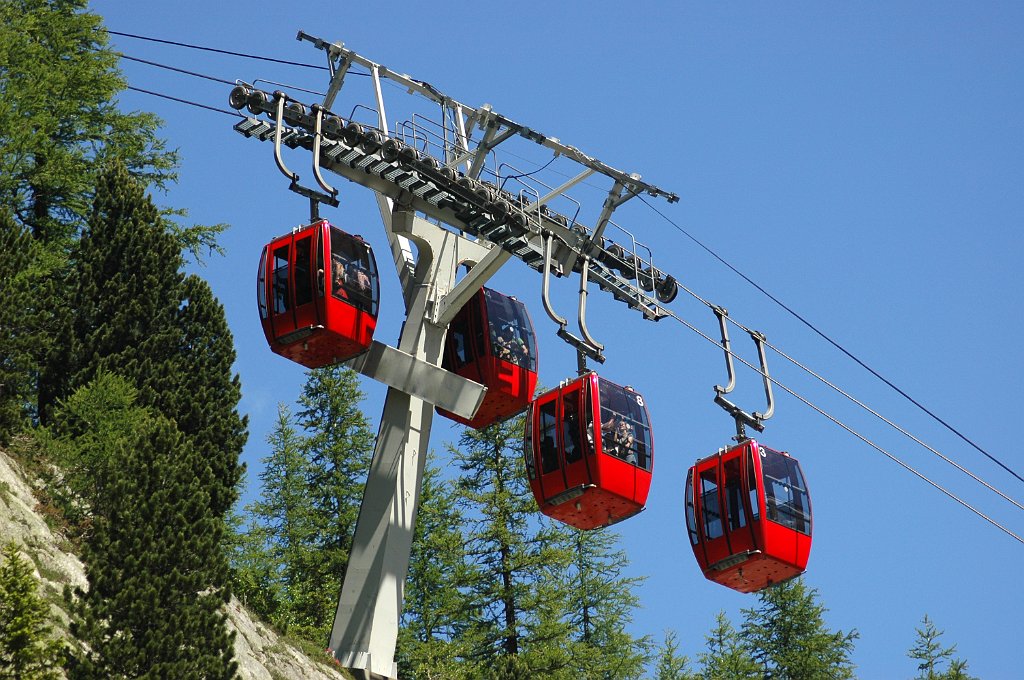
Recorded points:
(620,418)
(571,431)
(508,336)
(350,279)
(338,277)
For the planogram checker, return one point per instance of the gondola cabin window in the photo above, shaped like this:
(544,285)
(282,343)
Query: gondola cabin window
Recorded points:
(785,493)
(625,432)
(352,273)
(282,293)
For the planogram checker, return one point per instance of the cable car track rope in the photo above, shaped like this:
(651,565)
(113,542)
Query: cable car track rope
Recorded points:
(691,327)
(856,434)
(831,341)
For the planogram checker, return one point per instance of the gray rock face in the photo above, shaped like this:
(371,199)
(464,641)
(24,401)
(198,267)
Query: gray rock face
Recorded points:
(260,652)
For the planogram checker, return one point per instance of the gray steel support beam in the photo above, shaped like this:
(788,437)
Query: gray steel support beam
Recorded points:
(365,629)
(408,374)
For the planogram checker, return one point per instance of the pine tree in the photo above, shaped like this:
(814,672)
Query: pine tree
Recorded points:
(726,657)
(931,655)
(154,605)
(788,637)
(517,621)
(127,289)
(199,392)
(671,664)
(429,641)
(28,649)
(138,316)
(601,605)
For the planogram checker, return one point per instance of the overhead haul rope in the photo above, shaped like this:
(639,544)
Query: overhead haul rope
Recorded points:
(693,328)
(214,49)
(834,343)
(175,69)
(234,114)
(849,429)
(850,397)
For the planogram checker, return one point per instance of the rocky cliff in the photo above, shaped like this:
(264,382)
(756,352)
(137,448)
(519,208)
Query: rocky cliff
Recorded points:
(260,652)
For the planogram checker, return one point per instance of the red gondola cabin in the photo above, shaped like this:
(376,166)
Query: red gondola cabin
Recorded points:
(584,480)
(748,515)
(317,291)
(491,341)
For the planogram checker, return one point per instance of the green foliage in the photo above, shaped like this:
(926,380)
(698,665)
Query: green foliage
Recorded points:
(138,316)
(727,657)
(601,606)
(28,649)
(931,655)
(153,557)
(150,437)
(17,355)
(279,534)
(290,560)
(429,641)
(516,624)
(59,118)
(787,635)
(196,387)
(96,420)
(671,665)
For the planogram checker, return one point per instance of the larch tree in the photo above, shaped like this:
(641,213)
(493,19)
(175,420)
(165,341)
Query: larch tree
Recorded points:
(311,488)
(280,533)
(932,657)
(601,605)
(787,635)
(59,116)
(727,657)
(338,445)
(517,621)
(671,663)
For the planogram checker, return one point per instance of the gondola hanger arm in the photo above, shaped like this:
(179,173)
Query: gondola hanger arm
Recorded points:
(722,313)
(586,347)
(760,340)
(741,417)
(313,195)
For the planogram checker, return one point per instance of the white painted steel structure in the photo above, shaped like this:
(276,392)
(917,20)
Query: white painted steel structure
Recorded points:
(436,190)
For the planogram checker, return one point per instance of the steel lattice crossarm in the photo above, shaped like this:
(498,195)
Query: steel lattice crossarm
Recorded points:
(441,170)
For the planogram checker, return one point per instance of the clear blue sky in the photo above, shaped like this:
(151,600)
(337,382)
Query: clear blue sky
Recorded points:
(861,161)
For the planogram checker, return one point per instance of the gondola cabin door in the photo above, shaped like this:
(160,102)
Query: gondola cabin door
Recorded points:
(491,341)
(748,515)
(589,452)
(317,291)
